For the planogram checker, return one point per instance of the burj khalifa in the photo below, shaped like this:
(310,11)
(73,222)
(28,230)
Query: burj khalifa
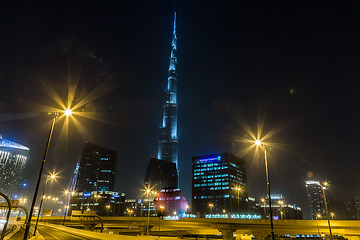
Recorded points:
(162,172)
(168,140)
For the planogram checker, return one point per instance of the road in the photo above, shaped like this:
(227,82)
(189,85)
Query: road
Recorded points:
(55,234)
(51,234)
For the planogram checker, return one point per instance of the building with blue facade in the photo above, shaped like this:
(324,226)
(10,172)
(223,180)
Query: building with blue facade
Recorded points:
(219,185)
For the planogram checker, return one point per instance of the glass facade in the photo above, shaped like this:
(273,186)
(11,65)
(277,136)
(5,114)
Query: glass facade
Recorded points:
(13,157)
(161,174)
(216,180)
(97,169)
(168,139)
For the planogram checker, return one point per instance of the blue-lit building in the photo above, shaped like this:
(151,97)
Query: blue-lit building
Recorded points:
(168,139)
(13,157)
(97,169)
(216,180)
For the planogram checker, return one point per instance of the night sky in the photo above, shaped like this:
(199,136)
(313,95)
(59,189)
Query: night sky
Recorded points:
(295,67)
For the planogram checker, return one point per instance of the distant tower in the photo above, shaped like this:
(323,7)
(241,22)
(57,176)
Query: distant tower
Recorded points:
(168,140)
(315,198)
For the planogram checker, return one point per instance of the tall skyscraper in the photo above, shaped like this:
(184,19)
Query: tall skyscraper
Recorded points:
(168,139)
(160,172)
(13,158)
(216,180)
(97,169)
(315,198)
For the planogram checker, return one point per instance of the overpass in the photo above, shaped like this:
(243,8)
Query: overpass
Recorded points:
(243,228)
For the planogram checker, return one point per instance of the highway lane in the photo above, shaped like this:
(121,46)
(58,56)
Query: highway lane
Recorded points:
(50,233)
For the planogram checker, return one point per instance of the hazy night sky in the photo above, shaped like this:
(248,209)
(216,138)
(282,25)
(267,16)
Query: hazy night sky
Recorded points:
(294,66)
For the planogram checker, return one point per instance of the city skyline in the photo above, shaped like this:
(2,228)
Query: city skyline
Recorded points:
(298,73)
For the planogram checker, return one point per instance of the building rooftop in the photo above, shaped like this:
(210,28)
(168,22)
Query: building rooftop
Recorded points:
(10,144)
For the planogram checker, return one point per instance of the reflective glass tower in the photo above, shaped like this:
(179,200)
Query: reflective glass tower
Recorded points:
(13,158)
(168,140)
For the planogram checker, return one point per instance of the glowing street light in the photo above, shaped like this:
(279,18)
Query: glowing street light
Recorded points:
(260,144)
(317,223)
(263,200)
(323,188)
(281,209)
(28,223)
(211,207)
(68,112)
(51,177)
(238,189)
(148,192)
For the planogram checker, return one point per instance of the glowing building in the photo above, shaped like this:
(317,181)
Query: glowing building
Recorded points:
(219,184)
(13,158)
(170,202)
(315,198)
(168,139)
(97,169)
(160,171)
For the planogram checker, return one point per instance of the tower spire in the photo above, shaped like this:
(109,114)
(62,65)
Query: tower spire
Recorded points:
(168,140)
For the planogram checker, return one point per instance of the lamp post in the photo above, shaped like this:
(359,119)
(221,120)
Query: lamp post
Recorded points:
(263,200)
(148,193)
(323,187)
(51,177)
(317,223)
(108,209)
(332,215)
(66,209)
(258,143)
(281,209)
(67,112)
(238,189)
(211,206)
(162,213)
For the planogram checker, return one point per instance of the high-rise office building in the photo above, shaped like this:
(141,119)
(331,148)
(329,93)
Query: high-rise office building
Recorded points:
(315,198)
(168,139)
(13,158)
(161,174)
(97,169)
(219,184)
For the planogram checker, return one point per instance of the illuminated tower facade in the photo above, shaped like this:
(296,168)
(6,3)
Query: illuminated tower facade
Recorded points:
(13,157)
(168,140)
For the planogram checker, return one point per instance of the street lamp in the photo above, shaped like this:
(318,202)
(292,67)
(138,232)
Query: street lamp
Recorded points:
(238,189)
(317,223)
(281,209)
(332,215)
(260,144)
(211,206)
(263,200)
(108,209)
(162,213)
(323,188)
(55,115)
(49,178)
(66,209)
(148,193)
